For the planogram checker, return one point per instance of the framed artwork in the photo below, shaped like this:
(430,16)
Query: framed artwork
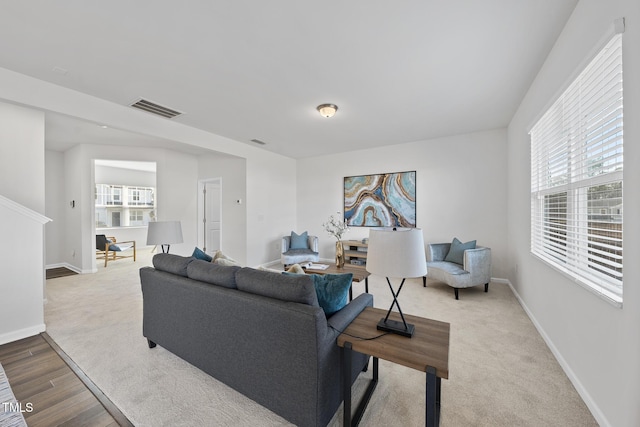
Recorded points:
(380,200)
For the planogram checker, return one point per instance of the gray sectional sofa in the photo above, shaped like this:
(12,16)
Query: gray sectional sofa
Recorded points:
(260,332)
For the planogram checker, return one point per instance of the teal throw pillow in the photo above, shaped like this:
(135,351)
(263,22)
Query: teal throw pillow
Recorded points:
(200,254)
(299,241)
(456,251)
(331,289)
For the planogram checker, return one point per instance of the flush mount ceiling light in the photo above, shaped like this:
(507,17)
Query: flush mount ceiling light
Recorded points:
(327,110)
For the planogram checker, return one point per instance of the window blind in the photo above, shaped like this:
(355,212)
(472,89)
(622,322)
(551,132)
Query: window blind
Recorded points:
(576,177)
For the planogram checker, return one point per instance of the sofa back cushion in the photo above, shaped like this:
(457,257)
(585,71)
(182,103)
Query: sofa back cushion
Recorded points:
(215,274)
(171,263)
(294,288)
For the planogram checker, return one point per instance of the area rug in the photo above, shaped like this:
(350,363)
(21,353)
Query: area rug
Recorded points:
(501,373)
(10,415)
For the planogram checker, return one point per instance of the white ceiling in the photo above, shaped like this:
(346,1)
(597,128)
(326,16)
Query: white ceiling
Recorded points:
(399,71)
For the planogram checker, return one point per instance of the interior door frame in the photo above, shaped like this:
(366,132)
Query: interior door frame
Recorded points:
(201,211)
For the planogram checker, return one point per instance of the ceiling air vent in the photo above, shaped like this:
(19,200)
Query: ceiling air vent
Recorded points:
(153,108)
(257,141)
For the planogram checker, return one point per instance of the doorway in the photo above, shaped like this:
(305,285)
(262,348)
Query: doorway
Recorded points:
(210,215)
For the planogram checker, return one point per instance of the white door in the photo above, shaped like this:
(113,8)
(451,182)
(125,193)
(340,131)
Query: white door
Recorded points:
(210,215)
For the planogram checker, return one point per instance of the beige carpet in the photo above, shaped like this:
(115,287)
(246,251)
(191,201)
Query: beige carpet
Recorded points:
(501,372)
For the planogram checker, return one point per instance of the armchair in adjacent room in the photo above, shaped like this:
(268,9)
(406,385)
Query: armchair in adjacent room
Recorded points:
(109,249)
(299,248)
(463,268)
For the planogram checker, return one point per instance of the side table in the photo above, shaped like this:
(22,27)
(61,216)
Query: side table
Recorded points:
(426,351)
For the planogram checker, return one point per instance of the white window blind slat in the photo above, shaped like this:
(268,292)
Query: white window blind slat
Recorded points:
(576,177)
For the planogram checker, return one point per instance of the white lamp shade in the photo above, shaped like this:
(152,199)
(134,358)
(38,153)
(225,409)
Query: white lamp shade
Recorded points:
(164,233)
(396,253)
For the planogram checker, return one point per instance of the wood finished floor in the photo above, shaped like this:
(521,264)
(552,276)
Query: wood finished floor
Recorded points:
(41,374)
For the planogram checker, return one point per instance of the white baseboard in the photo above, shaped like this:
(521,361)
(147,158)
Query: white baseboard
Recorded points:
(588,400)
(22,333)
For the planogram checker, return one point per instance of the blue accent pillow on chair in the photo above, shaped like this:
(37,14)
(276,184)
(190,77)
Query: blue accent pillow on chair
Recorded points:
(456,251)
(299,241)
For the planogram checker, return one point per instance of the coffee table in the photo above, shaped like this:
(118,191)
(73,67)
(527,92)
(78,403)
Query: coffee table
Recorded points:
(359,274)
(426,351)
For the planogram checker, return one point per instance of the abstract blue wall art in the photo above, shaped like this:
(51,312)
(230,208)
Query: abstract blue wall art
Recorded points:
(381,200)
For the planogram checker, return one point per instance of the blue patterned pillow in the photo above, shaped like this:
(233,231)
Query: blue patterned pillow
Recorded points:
(299,241)
(456,251)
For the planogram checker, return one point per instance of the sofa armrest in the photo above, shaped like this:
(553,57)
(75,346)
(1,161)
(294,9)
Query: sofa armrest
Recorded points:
(478,261)
(313,243)
(341,319)
(286,242)
(437,251)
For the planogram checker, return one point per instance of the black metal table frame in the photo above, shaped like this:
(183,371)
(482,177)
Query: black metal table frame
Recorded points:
(366,288)
(433,391)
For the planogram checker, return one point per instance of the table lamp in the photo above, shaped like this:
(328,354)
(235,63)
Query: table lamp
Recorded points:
(164,233)
(397,253)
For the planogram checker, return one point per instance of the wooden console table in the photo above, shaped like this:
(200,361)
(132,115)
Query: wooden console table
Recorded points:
(426,351)
(352,252)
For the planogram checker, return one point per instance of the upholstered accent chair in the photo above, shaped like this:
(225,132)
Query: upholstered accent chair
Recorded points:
(110,250)
(299,253)
(475,269)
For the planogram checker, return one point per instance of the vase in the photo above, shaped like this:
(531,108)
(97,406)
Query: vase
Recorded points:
(339,254)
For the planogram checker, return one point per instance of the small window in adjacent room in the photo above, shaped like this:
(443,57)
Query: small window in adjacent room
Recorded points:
(576,177)
(125,193)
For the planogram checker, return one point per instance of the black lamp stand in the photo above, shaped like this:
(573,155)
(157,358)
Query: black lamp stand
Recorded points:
(393,326)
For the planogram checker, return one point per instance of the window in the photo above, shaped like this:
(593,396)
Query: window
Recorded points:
(136,217)
(576,177)
(123,205)
(140,196)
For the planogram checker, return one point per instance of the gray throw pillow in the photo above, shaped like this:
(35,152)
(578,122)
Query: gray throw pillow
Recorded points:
(456,252)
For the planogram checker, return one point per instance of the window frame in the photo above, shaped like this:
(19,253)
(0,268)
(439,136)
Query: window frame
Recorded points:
(565,150)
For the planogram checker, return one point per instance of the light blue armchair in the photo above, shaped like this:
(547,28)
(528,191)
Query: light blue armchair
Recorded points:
(296,256)
(475,270)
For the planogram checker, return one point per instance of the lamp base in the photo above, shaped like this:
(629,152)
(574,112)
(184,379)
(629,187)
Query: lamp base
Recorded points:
(395,327)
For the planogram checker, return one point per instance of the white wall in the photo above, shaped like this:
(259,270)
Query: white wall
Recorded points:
(22,285)
(461,189)
(597,343)
(56,207)
(268,175)
(22,155)
(271,206)
(176,197)
(233,174)
(22,176)
(120,176)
